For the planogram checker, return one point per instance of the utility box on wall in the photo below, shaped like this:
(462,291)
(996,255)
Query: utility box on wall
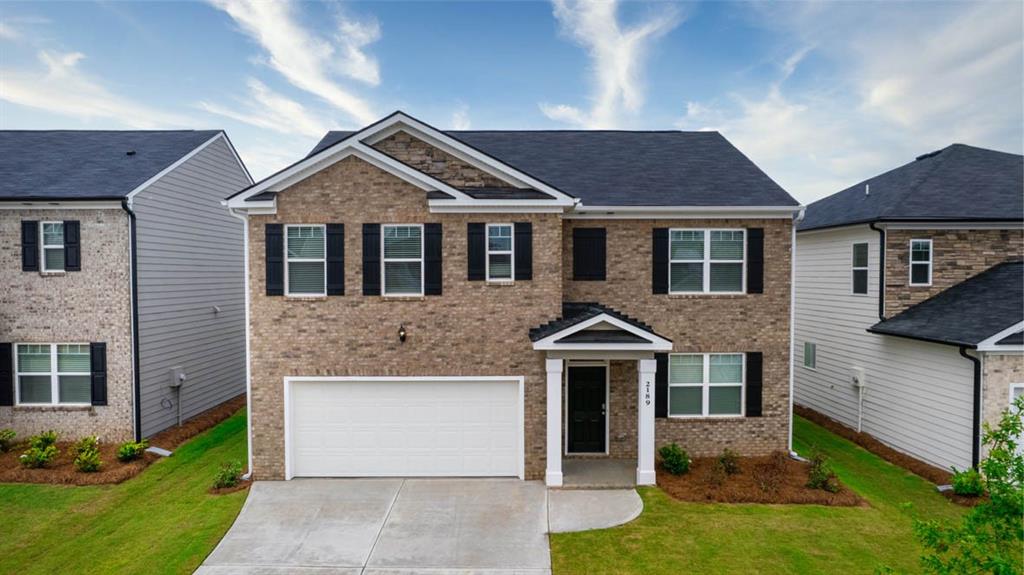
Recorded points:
(178,377)
(858,377)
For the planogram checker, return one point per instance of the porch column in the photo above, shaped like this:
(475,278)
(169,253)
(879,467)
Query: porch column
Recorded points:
(553,475)
(645,424)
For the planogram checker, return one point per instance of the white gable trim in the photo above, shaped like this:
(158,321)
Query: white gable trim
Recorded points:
(131,195)
(990,343)
(655,342)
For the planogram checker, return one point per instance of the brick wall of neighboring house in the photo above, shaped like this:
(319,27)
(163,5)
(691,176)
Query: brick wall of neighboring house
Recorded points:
(956,256)
(437,163)
(91,305)
(472,329)
(999,372)
(696,323)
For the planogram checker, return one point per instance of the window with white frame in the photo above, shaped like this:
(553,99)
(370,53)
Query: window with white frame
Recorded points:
(53,246)
(702,261)
(53,373)
(403,259)
(306,261)
(860,269)
(499,252)
(810,355)
(920,262)
(705,384)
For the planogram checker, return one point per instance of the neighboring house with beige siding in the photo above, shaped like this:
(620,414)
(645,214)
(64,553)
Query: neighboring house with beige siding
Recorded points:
(122,272)
(509,303)
(888,341)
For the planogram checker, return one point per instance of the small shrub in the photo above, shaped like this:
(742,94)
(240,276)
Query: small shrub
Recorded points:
(716,477)
(769,475)
(132,450)
(88,460)
(820,474)
(43,440)
(91,443)
(968,483)
(674,459)
(229,475)
(6,440)
(37,457)
(729,462)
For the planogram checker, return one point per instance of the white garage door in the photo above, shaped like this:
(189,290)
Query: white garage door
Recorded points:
(376,427)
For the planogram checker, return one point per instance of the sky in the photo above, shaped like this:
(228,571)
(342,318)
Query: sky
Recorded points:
(820,95)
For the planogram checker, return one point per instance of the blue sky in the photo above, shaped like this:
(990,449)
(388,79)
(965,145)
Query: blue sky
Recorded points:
(819,94)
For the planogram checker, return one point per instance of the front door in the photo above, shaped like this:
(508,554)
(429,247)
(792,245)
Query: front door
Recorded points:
(587,396)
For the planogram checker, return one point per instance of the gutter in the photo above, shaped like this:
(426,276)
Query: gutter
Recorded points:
(792,322)
(976,413)
(136,383)
(881,270)
(248,361)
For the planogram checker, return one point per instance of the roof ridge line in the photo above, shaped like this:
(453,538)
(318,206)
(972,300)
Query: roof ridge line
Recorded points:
(940,159)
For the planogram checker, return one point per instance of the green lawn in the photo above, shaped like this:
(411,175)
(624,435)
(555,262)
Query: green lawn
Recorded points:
(676,537)
(162,521)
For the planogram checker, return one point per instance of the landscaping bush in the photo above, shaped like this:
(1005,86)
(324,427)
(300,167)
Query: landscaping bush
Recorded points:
(6,440)
(729,462)
(716,476)
(674,459)
(968,483)
(88,460)
(820,475)
(43,440)
(769,475)
(91,443)
(132,450)
(41,450)
(229,475)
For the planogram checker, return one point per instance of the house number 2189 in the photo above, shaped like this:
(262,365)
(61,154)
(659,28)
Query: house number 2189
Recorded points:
(647,393)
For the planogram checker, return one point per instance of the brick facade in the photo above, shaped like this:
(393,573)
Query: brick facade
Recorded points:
(956,256)
(92,305)
(999,372)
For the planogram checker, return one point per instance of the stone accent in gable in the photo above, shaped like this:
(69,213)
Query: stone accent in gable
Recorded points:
(437,163)
(999,371)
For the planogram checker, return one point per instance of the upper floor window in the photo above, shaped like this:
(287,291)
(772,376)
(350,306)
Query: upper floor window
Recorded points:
(705,385)
(860,268)
(53,373)
(403,259)
(53,246)
(920,262)
(500,253)
(306,261)
(702,261)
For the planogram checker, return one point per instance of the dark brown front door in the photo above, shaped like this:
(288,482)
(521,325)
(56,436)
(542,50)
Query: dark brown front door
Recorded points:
(587,396)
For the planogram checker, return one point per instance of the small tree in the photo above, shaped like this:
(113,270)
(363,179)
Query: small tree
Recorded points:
(991,536)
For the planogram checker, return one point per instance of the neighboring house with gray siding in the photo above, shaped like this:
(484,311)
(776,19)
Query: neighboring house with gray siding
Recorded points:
(125,271)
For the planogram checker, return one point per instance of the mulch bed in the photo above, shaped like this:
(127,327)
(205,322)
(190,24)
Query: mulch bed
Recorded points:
(242,486)
(702,484)
(963,499)
(916,466)
(62,470)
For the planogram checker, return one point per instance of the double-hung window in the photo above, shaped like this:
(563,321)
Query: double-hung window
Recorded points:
(499,252)
(705,384)
(53,373)
(403,259)
(860,268)
(920,262)
(53,246)
(306,262)
(706,261)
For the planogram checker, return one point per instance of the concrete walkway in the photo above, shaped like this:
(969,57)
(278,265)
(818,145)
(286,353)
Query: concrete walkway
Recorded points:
(581,510)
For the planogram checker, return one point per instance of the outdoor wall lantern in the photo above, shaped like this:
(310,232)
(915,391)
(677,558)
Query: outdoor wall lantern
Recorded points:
(401,333)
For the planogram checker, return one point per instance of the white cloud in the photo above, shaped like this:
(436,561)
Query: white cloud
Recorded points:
(7,32)
(265,108)
(460,118)
(305,59)
(617,54)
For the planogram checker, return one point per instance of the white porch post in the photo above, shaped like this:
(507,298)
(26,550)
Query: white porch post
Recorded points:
(553,475)
(645,424)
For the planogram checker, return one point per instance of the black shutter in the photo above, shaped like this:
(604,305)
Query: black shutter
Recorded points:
(72,247)
(661,385)
(755,260)
(371,259)
(6,374)
(29,246)
(335,259)
(589,254)
(659,261)
(432,259)
(274,245)
(524,250)
(754,383)
(98,357)
(476,251)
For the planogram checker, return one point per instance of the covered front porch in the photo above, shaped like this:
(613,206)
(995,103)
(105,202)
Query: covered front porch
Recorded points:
(581,348)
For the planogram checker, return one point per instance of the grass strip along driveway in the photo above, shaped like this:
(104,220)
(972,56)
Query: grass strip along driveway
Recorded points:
(676,537)
(162,521)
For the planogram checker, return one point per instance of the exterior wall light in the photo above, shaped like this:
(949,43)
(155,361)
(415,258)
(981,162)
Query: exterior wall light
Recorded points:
(401,333)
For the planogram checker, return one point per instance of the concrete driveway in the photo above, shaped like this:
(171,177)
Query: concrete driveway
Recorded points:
(387,526)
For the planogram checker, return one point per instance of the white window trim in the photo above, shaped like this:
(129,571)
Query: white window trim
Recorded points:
(288,260)
(706,261)
(54,374)
(854,268)
(814,366)
(43,247)
(706,386)
(912,263)
(384,260)
(511,252)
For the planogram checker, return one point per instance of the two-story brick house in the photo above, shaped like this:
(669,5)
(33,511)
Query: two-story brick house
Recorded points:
(122,308)
(489,303)
(910,302)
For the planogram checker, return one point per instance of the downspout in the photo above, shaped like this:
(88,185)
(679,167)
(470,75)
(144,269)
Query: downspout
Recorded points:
(792,320)
(248,362)
(881,270)
(126,204)
(976,414)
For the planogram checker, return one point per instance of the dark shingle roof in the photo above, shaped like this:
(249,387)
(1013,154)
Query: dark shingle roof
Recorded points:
(87,165)
(578,312)
(967,313)
(956,183)
(1012,339)
(620,168)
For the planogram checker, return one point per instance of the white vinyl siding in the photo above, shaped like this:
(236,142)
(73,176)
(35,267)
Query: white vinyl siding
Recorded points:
(52,241)
(920,262)
(705,385)
(500,252)
(706,261)
(305,261)
(859,274)
(50,374)
(403,259)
